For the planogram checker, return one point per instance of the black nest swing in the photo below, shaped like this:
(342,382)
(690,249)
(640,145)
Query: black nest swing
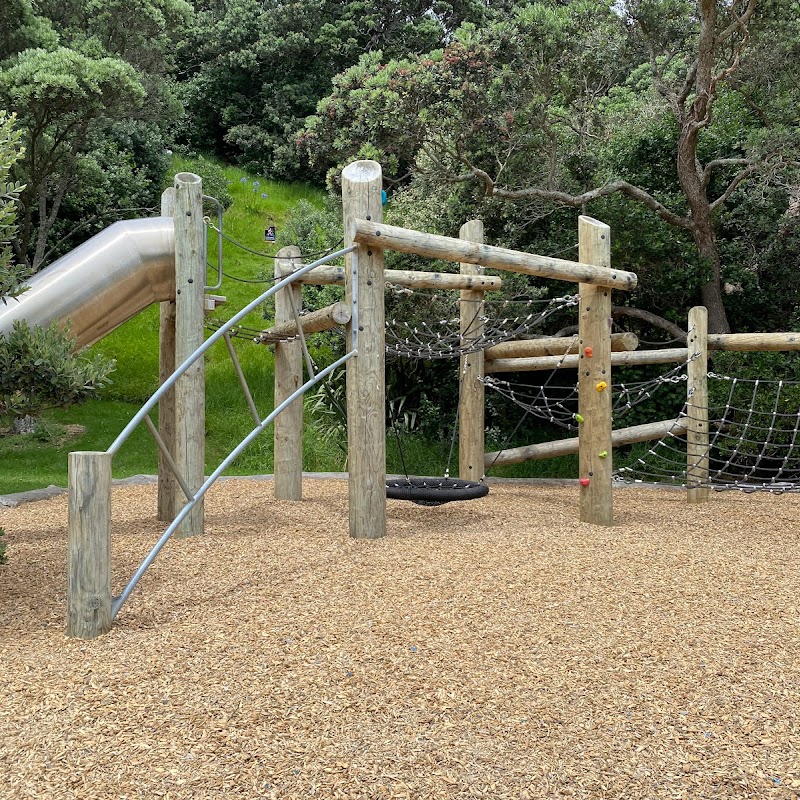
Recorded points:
(434,491)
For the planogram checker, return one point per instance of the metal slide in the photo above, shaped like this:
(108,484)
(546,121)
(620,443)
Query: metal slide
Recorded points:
(103,282)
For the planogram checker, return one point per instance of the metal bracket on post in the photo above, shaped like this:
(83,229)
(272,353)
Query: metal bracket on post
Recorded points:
(354,317)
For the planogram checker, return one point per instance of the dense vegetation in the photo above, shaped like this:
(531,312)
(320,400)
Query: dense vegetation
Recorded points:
(675,121)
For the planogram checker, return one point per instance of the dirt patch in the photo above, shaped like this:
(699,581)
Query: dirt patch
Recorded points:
(496,648)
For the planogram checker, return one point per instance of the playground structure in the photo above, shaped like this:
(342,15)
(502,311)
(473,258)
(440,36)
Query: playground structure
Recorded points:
(180,433)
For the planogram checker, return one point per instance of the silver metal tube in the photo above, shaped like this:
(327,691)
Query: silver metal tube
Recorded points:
(117,602)
(101,283)
(216,336)
(168,458)
(302,335)
(242,381)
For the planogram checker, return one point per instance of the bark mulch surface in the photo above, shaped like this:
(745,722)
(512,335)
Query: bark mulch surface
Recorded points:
(496,648)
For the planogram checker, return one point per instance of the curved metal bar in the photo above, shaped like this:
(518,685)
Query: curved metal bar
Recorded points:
(117,602)
(216,336)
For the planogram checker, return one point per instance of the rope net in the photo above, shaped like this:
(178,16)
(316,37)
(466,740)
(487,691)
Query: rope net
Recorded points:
(753,432)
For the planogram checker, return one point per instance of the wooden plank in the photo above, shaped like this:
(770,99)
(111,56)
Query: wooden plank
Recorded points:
(636,358)
(89,545)
(564,447)
(288,426)
(553,346)
(697,407)
(169,492)
(373,233)
(471,389)
(322,319)
(190,273)
(594,379)
(407,278)
(366,385)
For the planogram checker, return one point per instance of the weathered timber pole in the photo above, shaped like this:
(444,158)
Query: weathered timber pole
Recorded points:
(622,359)
(564,447)
(594,379)
(697,441)
(321,320)
(471,389)
(288,432)
(366,389)
(554,346)
(412,279)
(89,545)
(190,274)
(169,491)
(404,240)
(761,342)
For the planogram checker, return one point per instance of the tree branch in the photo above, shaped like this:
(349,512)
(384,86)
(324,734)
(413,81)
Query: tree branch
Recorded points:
(743,175)
(723,162)
(576,201)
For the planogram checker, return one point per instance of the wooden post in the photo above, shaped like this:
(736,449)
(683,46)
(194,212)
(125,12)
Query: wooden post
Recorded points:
(471,389)
(697,406)
(190,275)
(89,545)
(288,433)
(594,378)
(366,386)
(169,492)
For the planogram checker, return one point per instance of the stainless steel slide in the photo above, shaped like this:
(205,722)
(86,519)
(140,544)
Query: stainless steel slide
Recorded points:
(103,282)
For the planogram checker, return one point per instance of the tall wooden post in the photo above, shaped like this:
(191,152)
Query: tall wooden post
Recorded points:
(190,274)
(288,433)
(697,442)
(169,492)
(89,545)
(366,388)
(594,379)
(471,390)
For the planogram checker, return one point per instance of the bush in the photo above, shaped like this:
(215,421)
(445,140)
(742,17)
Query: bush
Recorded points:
(39,370)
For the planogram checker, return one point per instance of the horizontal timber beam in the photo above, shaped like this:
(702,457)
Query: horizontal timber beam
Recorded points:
(444,247)
(322,320)
(564,447)
(553,346)
(748,342)
(636,358)
(408,278)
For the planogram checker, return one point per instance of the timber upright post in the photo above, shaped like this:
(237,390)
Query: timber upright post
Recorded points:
(190,278)
(288,433)
(362,183)
(471,390)
(697,406)
(89,545)
(169,492)
(594,379)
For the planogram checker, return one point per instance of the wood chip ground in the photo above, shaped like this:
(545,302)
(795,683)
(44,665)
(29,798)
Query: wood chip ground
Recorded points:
(489,649)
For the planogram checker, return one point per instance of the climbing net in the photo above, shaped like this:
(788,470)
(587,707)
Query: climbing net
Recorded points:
(558,404)
(753,432)
(438,335)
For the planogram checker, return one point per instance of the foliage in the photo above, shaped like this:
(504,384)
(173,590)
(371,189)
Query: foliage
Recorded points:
(38,370)
(257,70)
(11,274)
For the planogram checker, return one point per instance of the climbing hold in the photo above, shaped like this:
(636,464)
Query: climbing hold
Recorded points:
(584,481)
(604,454)
(383,197)
(587,351)
(578,418)
(600,386)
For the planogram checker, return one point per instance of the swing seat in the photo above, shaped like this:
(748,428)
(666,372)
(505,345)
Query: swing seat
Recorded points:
(434,491)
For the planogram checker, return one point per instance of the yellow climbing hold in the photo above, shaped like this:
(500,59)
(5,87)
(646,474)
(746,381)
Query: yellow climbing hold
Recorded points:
(578,418)
(600,386)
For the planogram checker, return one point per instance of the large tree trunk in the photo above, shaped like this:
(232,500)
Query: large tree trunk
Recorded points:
(711,291)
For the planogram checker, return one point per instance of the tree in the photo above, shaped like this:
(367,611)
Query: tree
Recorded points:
(258,69)
(526,110)
(38,368)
